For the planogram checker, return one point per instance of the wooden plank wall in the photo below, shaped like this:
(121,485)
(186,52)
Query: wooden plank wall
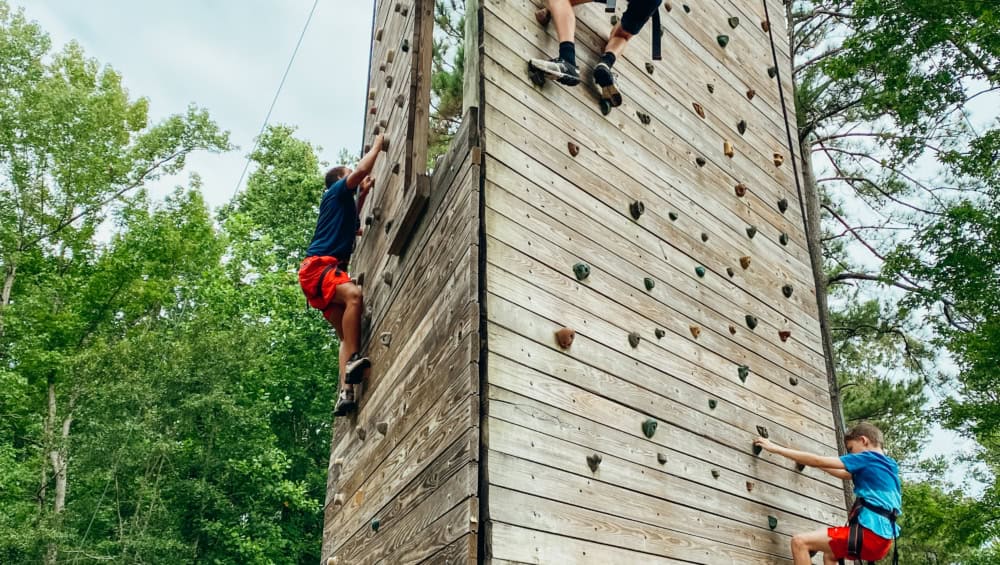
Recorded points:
(403,474)
(694,492)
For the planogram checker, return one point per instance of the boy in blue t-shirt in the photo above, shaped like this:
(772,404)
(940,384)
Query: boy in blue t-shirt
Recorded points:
(876,482)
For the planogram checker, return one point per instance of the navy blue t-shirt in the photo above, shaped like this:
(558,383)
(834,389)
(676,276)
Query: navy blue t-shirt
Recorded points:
(337,225)
(876,479)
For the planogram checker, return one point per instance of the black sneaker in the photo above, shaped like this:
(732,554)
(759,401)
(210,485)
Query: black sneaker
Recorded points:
(345,403)
(558,70)
(605,80)
(356,366)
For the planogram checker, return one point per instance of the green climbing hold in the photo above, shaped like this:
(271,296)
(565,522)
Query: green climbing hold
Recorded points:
(635,209)
(744,372)
(733,22)
(712,403)
(787,290)
(751,321)
(751,231)
(672,216)
(783,238)
(650,283)
(772,71)
(581,270)
(700,271)
(723,40)
(660,333)
(649,427)
(376,524)
(633,339)
(772,522)
(783,205)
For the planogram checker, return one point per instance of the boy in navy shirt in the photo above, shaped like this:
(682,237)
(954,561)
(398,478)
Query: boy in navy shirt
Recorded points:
(323,274)
(876,487)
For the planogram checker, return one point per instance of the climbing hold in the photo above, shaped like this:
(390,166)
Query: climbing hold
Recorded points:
(794,381)
(765,25)
(614,20)
(782,205)
(743,371)
(373,110)
(745,262)
(376,524)
(772,522)
(385,338)
(704,236)
(382,427)
(543,16)
(727,148)
(390,56)
(574,149)
(594,461)
(378,35)
(762,431)
(751,231)
(400,100)
(701,161)
(383,124)
(649,427)
(730,272)
(397,7)
(371,94)
(741,190)
(716,474)
(387,277)
(338,499)
(362,433)
(800,467)
(661,458)
(659,333)
(369,220)
(712,403)
(672,216)
(633,339)
(772,71)
(778,159)
(750,486)
(404,11)
(581,270)
(388,225)
(395,168)
(687,9)
(643,117)
(751,93)
(667,6)
(711,88)
(741,126)
(787,290)
(649,67)
(734,22)
(700,271)
(783,238)
(723,40)
(381,67)
(636,209)
(751,321)
(784,335)
(405,46)
(695,331)
(564,337)
(698,109)
(732,329)
(385,144)
(649,283)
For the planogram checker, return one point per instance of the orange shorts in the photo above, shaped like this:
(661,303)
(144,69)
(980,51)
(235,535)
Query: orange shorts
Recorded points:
(319,290)
(873,546)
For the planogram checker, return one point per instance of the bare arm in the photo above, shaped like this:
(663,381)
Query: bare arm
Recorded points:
(366,164)
(805,458)
(839,473)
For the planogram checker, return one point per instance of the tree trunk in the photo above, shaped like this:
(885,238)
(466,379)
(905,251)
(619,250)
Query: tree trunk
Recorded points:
(8,286)
(58,459)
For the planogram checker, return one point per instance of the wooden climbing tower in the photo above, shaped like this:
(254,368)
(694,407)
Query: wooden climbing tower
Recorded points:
(668,235)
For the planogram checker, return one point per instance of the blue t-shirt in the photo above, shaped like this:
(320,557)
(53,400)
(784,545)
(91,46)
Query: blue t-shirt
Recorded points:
(338,224)
(876,479)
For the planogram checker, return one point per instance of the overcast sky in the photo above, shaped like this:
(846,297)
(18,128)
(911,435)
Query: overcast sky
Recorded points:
(228,56)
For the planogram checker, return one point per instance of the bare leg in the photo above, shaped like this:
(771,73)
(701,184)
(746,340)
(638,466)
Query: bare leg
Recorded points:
(335,315)
(563,18)
(348,323)
(817,540)
(618,40)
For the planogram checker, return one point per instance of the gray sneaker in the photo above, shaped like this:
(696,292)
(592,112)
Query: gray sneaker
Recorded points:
(345,403)
(605,80)
(557,70)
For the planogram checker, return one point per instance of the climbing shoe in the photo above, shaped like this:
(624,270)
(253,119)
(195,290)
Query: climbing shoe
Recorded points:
(605,80)
(356,366)
(345,403)
(557,70)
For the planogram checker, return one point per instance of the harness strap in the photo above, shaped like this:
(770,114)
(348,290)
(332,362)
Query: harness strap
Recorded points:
(856,534)
(318,293)
(657,35)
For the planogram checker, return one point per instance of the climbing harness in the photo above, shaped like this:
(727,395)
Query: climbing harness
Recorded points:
(855,540)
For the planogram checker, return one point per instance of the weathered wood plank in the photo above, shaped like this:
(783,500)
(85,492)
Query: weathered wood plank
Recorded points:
(439,534)
(462,550)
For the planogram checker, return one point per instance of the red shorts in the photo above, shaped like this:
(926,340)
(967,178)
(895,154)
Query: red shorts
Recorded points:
(318,292)
(873,547)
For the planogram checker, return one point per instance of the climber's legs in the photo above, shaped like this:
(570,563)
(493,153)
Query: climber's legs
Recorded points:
(818,540)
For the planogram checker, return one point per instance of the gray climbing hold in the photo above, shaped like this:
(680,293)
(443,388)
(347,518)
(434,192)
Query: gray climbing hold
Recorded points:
(633,339)
(700,271)
(661,458)
(660,333)
(382,427)
(783,205)
(730,272)
(741,126)
(648,283)
(772,71)
(387,277)
(751,321)
(649,67)
(636,209)
(762,431)
(643,117)
(787,290)
(361,432)
(700,161)
(704,236)
(734,22)
(649,427)
(716,474)
(743,371)
(723,40)
(711,88)
(687,8)
(751,231)
(581,270)
(594,461)
(385,338)
(672,216)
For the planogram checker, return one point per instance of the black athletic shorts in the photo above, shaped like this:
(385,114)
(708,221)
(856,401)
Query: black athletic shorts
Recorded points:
(637,14)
